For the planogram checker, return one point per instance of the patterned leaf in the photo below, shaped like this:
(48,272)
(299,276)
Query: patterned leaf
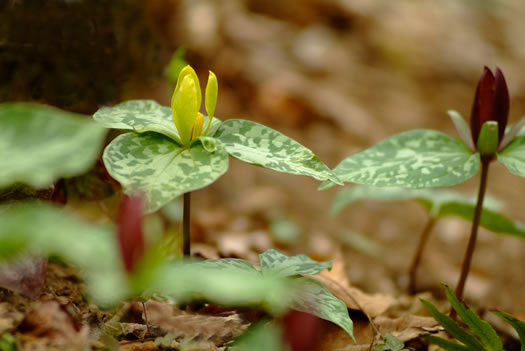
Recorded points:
(415,159)
(226,286)
(262,146)
(276,264)
(161,170)
(228,263)
(438,202)
(143,116)
(513,156)
(39,144)
(314,298)
(481,328)
(43,229)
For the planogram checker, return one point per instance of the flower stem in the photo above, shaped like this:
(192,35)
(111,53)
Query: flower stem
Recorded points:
(186,225)
(419,253)
(474,233)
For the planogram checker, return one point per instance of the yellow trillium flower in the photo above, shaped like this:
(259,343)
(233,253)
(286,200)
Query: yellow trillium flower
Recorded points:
(186,103)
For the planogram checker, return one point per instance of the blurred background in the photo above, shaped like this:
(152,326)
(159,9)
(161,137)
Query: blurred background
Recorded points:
(336,75)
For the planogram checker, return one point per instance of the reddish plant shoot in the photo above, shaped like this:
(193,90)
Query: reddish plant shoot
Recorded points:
(130,231)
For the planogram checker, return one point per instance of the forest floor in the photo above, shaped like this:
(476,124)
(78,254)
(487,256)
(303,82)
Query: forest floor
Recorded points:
(338,76)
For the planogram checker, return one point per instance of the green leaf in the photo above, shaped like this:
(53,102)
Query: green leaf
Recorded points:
(45,230)
(274,263)
(453,328)
(481,328)
(446,344)
(393,343)
(439,203)
(160,169)
(262,146)
(143,116)
(228,286)
(513,156)
(263,336)
(40,144)
(228,263)
(314,298)
(415,159)
(518,325)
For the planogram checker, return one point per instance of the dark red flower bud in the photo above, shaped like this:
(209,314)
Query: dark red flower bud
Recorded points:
(130,234)
(491,103)
(302,331)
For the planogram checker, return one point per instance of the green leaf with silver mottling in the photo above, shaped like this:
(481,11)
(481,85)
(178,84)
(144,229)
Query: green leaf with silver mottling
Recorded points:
(415,159)
(43,230)
(438,203)
(482,329)
(228,263)
(276,264)
(314,298)
(513,156)
(40,144)
(143,116)
(434,200)
(160,169)
(265,147)
(226,286)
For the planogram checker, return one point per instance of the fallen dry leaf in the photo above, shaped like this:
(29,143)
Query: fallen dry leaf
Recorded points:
(50,327)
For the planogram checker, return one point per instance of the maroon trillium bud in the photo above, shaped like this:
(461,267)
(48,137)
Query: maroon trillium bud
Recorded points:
(491,103)
(130,234)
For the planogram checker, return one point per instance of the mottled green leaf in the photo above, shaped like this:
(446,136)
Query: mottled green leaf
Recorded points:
(228,263)
(262,146)
(518,325)
(481,328)
(453,328)
(39,144)
(415,159)
(276,264)
(446,344)
(160,169)
(513,156)
(143,116)
(438,203)
(43,229)
(314,298)
(263,336)
(229,286)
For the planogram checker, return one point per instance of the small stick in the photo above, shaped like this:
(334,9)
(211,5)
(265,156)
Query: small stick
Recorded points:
(419,254)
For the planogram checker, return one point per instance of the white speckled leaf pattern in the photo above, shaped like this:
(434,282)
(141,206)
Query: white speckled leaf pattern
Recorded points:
(314,298)
(143,116)
(513,156)
(415,159)
(156,166)
(39,144)
(262,146)
(228,264)
(276,264)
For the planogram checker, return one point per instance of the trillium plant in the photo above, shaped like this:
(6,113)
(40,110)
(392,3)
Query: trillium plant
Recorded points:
(428,158)
(171,152)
